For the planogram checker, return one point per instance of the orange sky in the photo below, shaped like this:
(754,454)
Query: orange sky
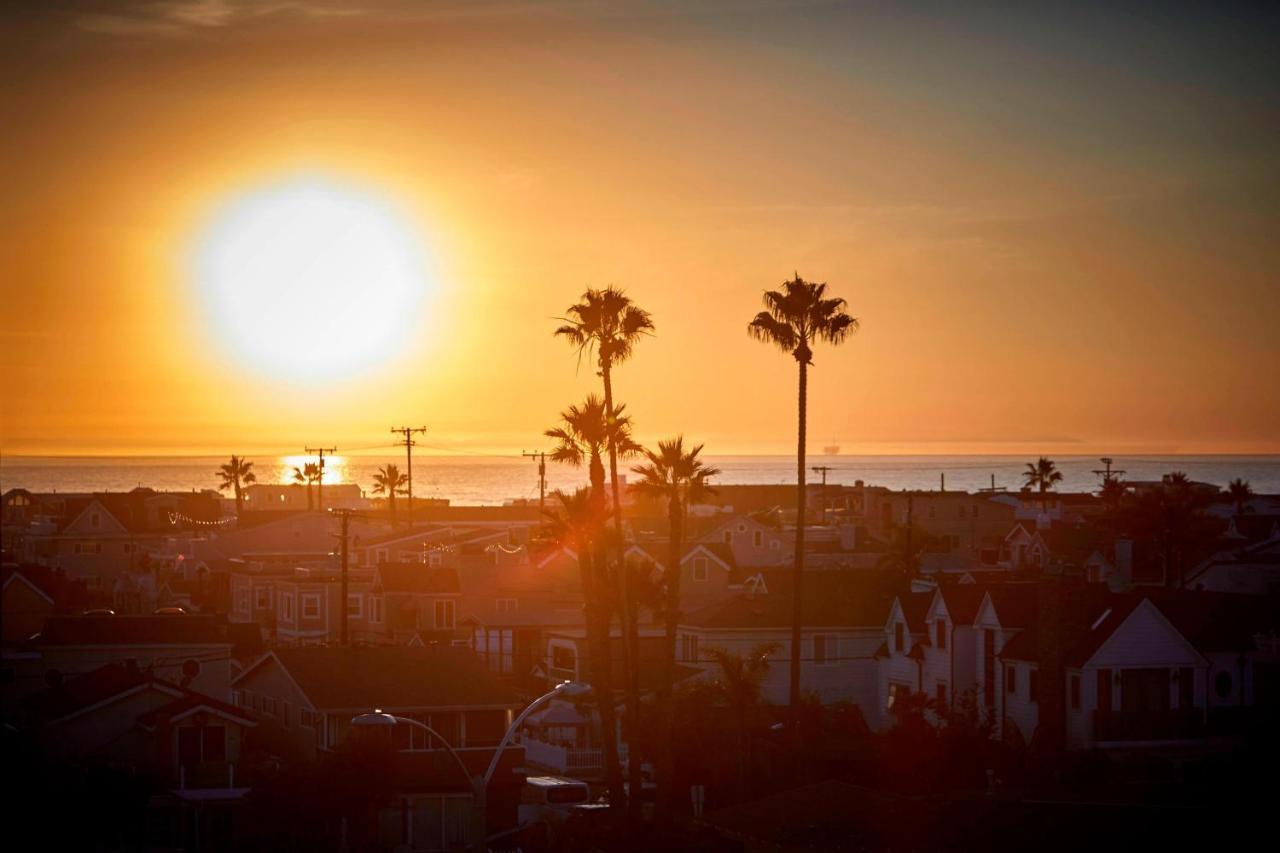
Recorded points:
(1058,231)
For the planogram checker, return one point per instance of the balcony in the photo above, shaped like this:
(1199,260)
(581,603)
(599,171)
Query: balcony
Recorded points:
(1134,726)
(564,761)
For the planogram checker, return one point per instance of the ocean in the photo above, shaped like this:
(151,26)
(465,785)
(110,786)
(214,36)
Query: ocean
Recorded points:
(480,480)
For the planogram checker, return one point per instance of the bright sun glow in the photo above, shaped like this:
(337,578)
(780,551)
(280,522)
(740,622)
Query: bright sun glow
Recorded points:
(311,279)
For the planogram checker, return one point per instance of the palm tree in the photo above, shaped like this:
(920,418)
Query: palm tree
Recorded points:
(1171,517)
(1239,491)
(390,482)
(608,324)
(794,319)
(738,681)
(1042,474)
(678,476)
(235,474)
(586,433)
(308,473)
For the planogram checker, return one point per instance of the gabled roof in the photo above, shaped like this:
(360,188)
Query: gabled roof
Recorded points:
(391,677)
(194,703)
(418,579)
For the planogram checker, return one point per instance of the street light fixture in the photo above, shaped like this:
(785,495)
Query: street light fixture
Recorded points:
(479,784)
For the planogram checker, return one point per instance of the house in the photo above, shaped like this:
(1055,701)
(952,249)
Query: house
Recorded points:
(414,600)
(753,543)
(1251,569)
(310,694)
(845,618)
(31,593)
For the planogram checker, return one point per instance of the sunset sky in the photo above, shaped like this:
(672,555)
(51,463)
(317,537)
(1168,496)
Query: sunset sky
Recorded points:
(1060,227)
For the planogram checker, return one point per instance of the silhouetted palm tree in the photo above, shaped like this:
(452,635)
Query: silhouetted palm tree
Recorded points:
(738,681)
(607,323)
(679,477)
(390,482)
(586,433)
(308,473)
(235,474)
(1171,518)
(794,319)
(1042,474)
(1240,492)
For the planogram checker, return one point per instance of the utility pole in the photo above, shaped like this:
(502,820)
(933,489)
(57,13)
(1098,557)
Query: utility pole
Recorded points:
(408,443)
(346,515)
(321,451)
(992,487)
(1107,473)
(823,469)
(542,477)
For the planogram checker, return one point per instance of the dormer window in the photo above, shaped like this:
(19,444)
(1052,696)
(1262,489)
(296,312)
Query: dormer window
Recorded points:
(758,539)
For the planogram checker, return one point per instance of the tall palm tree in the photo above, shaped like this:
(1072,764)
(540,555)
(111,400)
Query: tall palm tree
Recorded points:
(1171,517)
(390,482)
(586,433)
(608,324)
(1239,491)
(235,474)
(1042,474)
(738,681)
(308,473)
(678,476)
(795,318)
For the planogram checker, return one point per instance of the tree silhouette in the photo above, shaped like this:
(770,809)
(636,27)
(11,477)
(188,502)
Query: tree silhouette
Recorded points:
(1042,474)
(1239,491)
(235,474)
(795,318)
(308,473)
(607,323)
(679,477)
(586,433)
(390,482)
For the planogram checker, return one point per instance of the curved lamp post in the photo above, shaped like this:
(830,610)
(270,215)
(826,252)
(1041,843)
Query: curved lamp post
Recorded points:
(479,784)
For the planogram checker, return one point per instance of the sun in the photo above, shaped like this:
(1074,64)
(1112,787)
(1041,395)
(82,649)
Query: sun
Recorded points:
(311,279)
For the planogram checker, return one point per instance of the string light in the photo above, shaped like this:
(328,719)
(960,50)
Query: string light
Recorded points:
(175,517)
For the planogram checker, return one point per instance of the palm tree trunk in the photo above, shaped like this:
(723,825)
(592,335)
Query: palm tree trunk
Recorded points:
(667,756)
(391,504)
(239,499)
(597,618)
(626,616)
(797,591)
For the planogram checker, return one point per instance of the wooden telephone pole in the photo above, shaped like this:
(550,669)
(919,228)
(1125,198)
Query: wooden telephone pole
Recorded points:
(408,443)
(822,469)
(321,451)
(346,515)
(542,477)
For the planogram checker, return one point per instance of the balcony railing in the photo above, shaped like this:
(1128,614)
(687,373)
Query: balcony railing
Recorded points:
(567,761)
(209,774)
(1148,725)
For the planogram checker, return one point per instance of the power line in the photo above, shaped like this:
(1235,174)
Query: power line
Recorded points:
(541,456)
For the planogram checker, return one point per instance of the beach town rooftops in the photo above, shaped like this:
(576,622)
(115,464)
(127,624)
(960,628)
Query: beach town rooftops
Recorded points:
(395,677)
(156,630)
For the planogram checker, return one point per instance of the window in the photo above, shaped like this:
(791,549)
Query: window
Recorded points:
(758,538)
(1011,680)
(308,718)
(689,648)
(355,605)
(699,568)
(823,649)
(1075,693)
(506,605)
(444,615)
(199,744)
(563,658)
(899,636)
(1033,685)
(127,548)
(264,597)
(375,608)
(286,606)
(435,559)
(897,692)
(941,625)
(1222,684)
(311,606)
(774,544)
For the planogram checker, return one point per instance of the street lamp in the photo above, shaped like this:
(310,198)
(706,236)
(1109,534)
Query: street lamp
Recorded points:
(479,784)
